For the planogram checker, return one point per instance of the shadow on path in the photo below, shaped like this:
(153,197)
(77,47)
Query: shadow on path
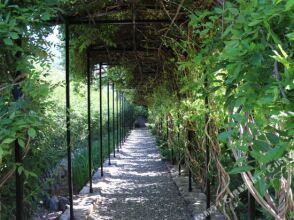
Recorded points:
(137,185)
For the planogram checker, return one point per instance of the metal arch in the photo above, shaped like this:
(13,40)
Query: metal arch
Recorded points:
(98,21)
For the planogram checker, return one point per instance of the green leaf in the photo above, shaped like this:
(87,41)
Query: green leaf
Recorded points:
(234,11)
(240,101)
(276,184)
(242,147)
(242,169)
(237,117)
(225,135)
(32,133)
(273,154)
(274,139)
(8,141)
(260,145)
(240,161)
(1,153)
(254,23)
(218,10)
(8,41)
(13,35)
(261,186)
(290,36)
(21,142)
(289,5)
(266,99)
(28,174)
(256,154)
(20,169)
(45,16)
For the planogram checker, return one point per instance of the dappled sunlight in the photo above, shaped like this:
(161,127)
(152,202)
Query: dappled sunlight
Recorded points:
(136,185)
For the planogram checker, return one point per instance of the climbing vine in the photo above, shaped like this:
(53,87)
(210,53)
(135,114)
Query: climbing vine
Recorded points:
(245,53)
(225,80)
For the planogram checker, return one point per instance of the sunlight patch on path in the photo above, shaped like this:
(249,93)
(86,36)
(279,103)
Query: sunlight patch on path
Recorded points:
(137,186)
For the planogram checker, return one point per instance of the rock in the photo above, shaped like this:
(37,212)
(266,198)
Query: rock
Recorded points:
(65,215)
(53,215)
(62,203)
(85,190)
(53,204)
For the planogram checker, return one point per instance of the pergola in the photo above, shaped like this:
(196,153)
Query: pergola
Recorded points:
(140,25)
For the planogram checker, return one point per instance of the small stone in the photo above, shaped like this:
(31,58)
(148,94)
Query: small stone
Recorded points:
(85,190)
(62,203)
(53,215)
(65,215)
(53,204)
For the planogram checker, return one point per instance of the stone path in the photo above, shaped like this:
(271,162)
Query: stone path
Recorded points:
(137,185)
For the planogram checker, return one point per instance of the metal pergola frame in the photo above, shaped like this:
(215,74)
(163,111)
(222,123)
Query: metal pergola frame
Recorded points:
(97,21)
(118,106)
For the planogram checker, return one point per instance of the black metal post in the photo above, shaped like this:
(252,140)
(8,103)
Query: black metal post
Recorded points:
(207,150)
(160,123)
(100,111)
(113,120)
(117,122)
(108,123)
(119,109)
(121,120)
(167,133)
(68,129)
(251,207)
(190,139)
(178,136)
(89,122)
(128,117)
(190,180)
(251,199)
(125,118)
(124,124)
(19,181)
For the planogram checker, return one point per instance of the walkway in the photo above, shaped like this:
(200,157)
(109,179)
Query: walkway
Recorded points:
(137,185)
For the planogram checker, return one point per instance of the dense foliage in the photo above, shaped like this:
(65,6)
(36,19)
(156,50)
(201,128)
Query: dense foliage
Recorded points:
(37,119)
(226,82)
(240,57)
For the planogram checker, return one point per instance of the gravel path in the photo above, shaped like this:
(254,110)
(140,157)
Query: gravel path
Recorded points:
(138,186)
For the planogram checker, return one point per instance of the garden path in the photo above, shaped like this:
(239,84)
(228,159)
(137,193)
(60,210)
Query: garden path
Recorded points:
(138,185)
